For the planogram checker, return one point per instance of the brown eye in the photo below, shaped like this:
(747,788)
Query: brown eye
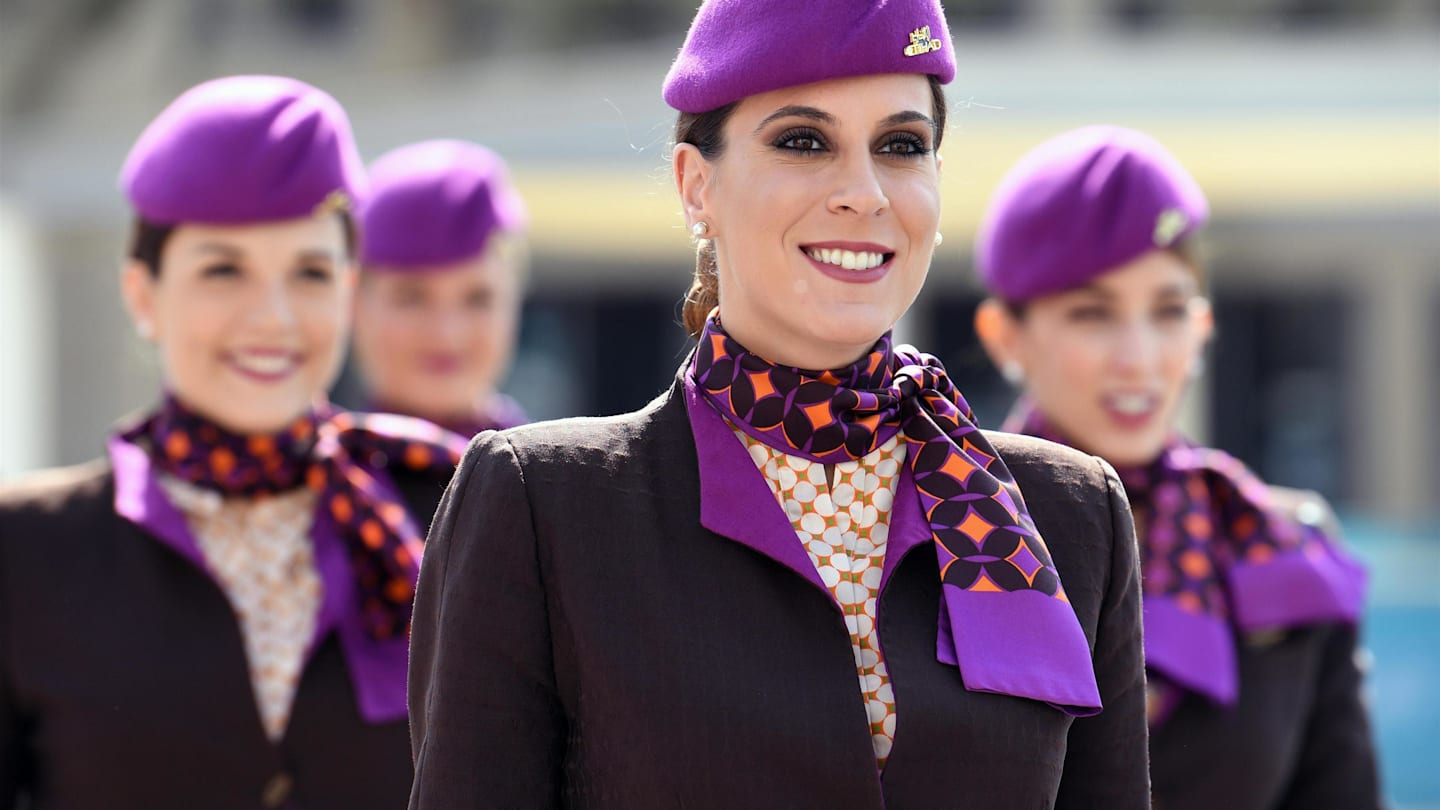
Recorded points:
(1088,314)
(802,139)
(407,297)
(904,144)
(220,270)
(479,300)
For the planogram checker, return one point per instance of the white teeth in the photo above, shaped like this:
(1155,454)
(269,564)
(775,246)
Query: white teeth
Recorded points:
(847,259)
(265,364)
(1132,404)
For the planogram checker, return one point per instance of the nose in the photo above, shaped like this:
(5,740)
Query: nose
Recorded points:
(450,325)
(273,307)
(857,188)
(1136,346)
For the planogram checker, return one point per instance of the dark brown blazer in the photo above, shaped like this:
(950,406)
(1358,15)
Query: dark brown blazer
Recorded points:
(1299,737)
(581,641)
(123,682)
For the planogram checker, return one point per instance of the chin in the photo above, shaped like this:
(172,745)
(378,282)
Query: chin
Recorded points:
(845,329)
(1132,453)
(270,417)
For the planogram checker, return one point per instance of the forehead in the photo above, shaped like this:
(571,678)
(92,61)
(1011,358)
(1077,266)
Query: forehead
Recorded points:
(486,269)
(305,233)
(1156,271)
(860,100)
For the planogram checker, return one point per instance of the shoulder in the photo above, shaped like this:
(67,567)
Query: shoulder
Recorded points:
(1306,507)
(1047,471)
(48,515)
(1080,508)
(57,492)
(589,445)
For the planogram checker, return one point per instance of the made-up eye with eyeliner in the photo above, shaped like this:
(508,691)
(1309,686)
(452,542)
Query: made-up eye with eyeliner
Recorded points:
(904,144)
(800,139)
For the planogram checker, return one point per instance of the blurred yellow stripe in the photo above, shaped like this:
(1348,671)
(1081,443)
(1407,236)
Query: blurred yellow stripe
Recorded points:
(1284,166)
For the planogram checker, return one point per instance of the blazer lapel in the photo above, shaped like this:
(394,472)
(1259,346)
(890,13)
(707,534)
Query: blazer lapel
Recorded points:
(735,501)
(908,527)
(140,500)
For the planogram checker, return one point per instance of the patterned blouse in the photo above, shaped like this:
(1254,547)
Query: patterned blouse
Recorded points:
(260,553)
(845,526)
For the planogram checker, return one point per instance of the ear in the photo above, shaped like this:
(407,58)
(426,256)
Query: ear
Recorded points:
(999,332)
(693,174)
(1204,316)
(137,287)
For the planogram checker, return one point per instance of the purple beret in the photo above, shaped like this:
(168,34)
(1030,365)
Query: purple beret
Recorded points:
(739,48)
(434,203)
(1080,205)
(243,149)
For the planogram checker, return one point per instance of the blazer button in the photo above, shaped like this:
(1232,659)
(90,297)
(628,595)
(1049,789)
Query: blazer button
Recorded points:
(277,790)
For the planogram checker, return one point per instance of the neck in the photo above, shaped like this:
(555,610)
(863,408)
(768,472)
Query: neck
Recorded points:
(478,407)
(783,350)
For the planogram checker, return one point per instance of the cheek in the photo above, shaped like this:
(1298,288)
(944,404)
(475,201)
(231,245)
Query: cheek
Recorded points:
(1062,367)
(326,323)
(1177,358)
(192,330)
(917,203)
(788,198)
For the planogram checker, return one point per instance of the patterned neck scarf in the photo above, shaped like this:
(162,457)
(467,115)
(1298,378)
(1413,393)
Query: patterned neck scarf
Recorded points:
(500,413)
(332,452)
(985,540)
(1217,552)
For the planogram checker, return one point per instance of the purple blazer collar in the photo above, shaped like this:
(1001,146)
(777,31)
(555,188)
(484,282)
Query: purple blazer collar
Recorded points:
(735,501)
(377,668)
(1022,644)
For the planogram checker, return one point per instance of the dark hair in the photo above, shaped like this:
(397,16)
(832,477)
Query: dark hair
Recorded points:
(147,240)
(704,131)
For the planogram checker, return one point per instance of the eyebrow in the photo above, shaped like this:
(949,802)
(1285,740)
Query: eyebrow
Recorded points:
(216,247)
(820,116)
(908,117)
(797,111)
(1104,292)
(313,254)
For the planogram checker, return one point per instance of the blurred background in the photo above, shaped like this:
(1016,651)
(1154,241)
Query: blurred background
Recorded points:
(1313,125)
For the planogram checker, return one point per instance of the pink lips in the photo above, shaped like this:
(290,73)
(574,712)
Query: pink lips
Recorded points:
(439,363)
(1131,418)
(851,276)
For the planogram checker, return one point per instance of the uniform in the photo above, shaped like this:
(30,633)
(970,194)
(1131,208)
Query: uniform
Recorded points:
(1251,601)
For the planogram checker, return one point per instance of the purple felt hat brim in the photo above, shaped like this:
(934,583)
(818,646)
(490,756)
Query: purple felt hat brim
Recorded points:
(242,150)
(740,48)
(435,203)
(1082,204)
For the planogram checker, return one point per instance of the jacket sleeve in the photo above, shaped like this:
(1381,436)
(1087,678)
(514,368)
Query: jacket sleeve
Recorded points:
(1337,766)
(1107,757)
(486,727)
(14,764)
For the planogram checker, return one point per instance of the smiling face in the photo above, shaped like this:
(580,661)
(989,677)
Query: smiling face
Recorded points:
(1108,362)
(435,343)
(250,321)
(823,207)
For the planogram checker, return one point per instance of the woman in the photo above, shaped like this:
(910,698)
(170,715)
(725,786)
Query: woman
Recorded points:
(775,587)
(1250,603)
(442,268)
(215,615)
